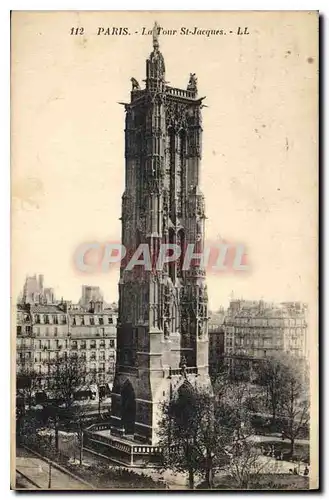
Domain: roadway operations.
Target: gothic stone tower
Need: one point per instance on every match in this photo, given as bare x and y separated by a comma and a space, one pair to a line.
162, 328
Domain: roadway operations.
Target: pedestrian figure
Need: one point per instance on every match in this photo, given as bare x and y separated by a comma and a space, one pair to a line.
295, 471
282, 435
306, 471
281, 456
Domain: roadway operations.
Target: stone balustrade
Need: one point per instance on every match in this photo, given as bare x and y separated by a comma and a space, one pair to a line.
189, 94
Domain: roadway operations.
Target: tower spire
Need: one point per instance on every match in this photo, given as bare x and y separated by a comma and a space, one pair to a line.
155, 66
155, 35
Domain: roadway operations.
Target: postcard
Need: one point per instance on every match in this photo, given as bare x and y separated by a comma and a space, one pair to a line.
164, 241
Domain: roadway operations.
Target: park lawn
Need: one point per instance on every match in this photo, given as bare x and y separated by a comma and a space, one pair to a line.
301, 451
266, 482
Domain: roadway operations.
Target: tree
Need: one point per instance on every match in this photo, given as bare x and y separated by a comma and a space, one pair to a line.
246, 462
233, 415
287, 385
214, 435
67, 375
178, 433
272, 376
198, 429
240, 369
77, 417
295, 404
27, 382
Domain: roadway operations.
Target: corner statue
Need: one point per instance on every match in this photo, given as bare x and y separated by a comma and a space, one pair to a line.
192, 84
135, 84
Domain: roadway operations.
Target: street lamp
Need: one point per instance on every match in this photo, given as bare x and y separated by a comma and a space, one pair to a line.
49, 476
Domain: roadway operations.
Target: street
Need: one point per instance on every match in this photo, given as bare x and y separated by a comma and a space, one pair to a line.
37, 470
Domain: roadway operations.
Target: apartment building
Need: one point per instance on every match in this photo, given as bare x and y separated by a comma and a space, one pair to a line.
256, 329
49, 331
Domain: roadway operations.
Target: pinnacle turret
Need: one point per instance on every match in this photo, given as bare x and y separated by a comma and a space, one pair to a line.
155, 66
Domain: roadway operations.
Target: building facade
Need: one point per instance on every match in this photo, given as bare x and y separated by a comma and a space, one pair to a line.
256, 329
216, 341
46, 332
162, 326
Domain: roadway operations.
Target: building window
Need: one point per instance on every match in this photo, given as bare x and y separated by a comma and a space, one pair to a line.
93, 367
83, 344
74, 344
28, 329
47, 331
55, 331
55, 320
102, 344
63, 320
100, 321
110, 320
19, 330
102, 355
92, 320
93, 344
82, 320
112, 344
93, 356
102, 367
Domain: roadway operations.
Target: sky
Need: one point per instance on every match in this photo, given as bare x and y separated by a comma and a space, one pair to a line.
259, 170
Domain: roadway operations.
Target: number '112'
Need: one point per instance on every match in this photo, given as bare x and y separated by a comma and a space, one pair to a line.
77, 31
